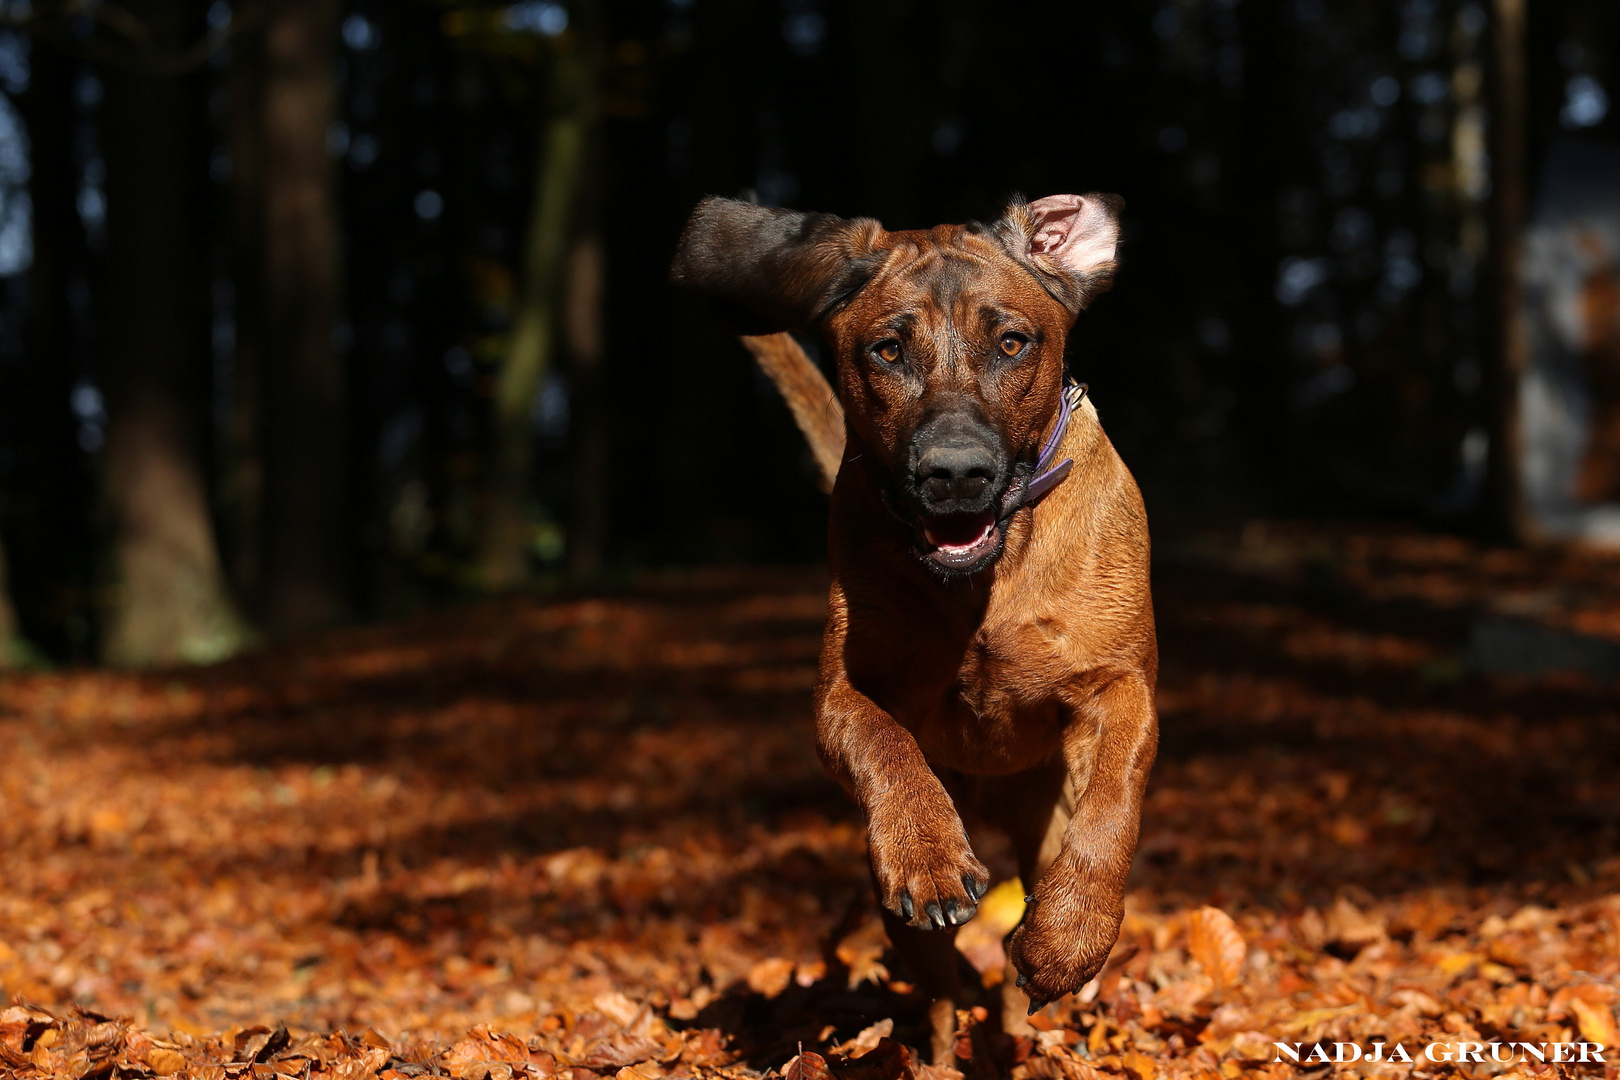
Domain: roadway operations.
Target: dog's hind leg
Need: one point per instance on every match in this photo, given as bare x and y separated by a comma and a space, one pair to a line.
1079, 901
1033, 808
931, 958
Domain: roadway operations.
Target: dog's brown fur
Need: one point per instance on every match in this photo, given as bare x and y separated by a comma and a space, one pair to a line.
1022, 694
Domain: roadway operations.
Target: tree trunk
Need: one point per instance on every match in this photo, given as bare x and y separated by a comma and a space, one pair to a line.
10, 633
1508, 336
307, 572
582, 323
563, 154
169, 602
49, 504
241, 468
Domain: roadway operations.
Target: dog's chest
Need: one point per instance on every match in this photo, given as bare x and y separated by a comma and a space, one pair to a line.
994, 711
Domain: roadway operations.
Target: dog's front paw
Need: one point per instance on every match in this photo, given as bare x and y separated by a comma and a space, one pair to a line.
926, 872
1061, 944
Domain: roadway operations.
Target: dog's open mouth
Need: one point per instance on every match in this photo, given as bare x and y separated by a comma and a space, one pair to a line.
960, 541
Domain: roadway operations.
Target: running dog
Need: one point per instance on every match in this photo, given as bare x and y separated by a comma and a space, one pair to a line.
990, 645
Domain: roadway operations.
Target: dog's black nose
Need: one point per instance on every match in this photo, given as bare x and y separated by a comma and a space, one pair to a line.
956, 472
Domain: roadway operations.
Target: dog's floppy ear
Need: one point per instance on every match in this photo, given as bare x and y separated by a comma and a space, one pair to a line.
1068, 240
772, 269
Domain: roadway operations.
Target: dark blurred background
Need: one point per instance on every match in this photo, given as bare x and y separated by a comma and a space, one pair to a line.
313, 311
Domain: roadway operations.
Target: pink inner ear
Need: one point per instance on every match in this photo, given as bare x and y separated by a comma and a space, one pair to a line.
1080, 234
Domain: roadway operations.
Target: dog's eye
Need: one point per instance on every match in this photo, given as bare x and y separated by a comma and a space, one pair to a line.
887, 350
1012, 344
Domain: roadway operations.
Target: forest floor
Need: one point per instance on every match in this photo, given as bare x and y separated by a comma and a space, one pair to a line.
590, 835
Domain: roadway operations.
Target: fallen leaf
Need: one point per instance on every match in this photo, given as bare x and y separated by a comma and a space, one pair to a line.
806, 1065
620, 1049
484, 1045
366, 1064
1348, 925
1181, 998
1215, 942
257, 1044
1596, 1021
163, 1061
1253, 1047
22, 1014
860, 952
770, 976
981, 939
1452, 964
866, 1041
617, 1007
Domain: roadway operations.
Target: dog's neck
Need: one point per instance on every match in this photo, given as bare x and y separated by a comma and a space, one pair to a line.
1073, 446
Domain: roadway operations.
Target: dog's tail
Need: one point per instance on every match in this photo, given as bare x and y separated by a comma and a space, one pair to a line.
814, 405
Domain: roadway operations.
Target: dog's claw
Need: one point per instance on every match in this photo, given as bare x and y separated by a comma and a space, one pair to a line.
935, 916
1022, 981
1035, 1006
1029, 898
907, 909
975, 889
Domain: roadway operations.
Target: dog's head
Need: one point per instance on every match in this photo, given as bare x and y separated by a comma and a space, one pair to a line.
949, 341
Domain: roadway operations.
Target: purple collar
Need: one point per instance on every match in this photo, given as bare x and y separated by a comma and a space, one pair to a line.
1047, 475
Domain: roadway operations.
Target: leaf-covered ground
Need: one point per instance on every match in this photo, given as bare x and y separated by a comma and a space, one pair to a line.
590, 835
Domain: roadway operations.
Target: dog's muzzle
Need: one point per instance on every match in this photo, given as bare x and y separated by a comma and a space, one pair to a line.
959, 471
966, 491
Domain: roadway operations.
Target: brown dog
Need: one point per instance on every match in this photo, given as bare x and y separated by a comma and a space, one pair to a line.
990, 647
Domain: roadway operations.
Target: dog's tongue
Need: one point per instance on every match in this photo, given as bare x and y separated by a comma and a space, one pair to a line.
958, 532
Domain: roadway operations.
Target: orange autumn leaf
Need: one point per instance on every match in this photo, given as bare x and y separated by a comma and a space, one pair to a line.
866, 1041
1214, 941
770, 976
861, 952
1138, 1066
1596, 1021
165, 1062
806, 1065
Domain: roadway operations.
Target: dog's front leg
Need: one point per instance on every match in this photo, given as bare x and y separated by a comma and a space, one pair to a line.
1073, 921
926, 874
